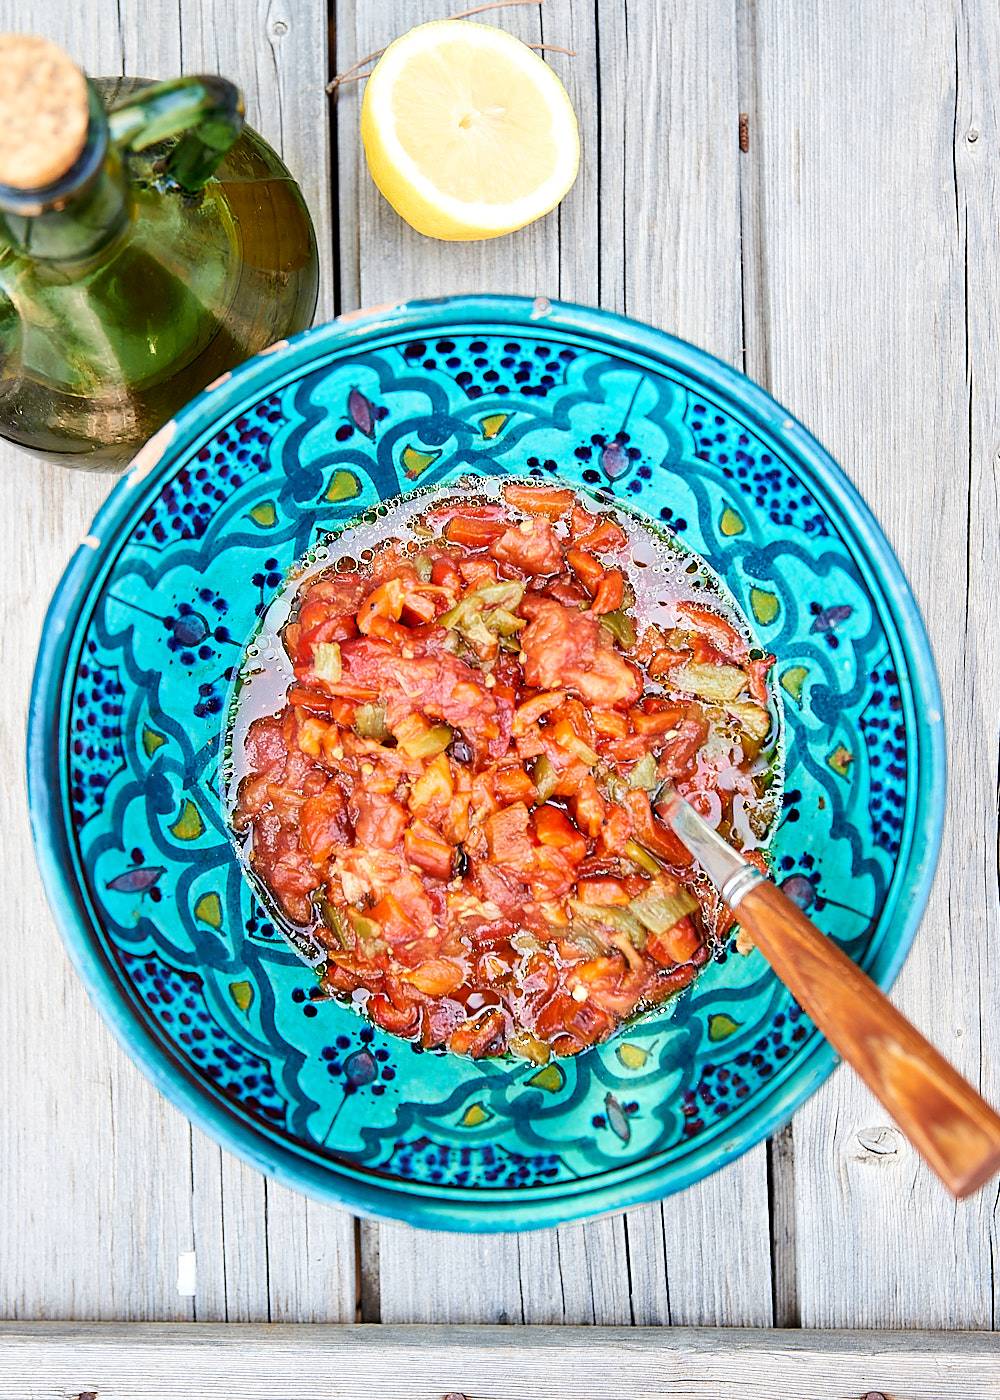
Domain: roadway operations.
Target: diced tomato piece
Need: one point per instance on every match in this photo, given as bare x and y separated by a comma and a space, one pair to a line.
660, 723
610, 592
551, 501
655, 835
587, 1022
582, 521
483, 800
569, 778
602, 889
476, 534
309, 737
478, 573
616, 830
554, 828
554, 874
385, 601
438, 1020
389, 631
536, 551
604, 536
312, 613
532, 710
439, 516
508, 837
322, 823
514, 785
486, 1036
397, 1021
757, 678
343, 711
338, 978
425, 848
670, 983
589, 807
562, 650
436, 977
677, 945
678, 756
420, 607
433, 786
588, 570
719, 632
395, 925
445, 575
378, 820
331, 629
310, 700
610, 722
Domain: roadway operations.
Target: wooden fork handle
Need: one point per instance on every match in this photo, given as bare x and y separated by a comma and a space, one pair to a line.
948, 1122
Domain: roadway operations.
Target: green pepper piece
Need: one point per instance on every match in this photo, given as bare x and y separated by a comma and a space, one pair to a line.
621, 627
614, 917
544, 777
369, 723
643, 775
639, 856
327, 663
660, 908
428, 745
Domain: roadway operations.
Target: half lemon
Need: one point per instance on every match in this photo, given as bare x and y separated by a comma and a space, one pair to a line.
468, 133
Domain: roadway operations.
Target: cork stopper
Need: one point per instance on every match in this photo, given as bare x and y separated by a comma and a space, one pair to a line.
44, 112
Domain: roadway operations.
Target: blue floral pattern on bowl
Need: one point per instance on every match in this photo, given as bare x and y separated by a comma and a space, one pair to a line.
128, 713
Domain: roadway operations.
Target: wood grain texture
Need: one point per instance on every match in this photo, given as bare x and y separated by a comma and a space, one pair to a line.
55, 1362
977, 175
102, 1184
946, 1120
848, 260
865, 186
652, 228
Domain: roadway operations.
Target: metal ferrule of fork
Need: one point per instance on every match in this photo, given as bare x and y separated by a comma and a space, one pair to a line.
733, 876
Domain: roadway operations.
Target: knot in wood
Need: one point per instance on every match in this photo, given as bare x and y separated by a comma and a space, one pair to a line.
880, 1142
874, 1395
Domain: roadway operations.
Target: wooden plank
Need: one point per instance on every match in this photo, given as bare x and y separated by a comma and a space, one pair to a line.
670, 228
80, 1239
58, 1361
976, 134
103, 1186
463, 1278
655, 96
863, 160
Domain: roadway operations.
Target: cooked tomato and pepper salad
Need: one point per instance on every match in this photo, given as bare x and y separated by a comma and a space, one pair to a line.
455, 797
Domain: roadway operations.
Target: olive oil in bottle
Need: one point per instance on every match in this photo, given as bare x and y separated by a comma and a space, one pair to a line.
149, 241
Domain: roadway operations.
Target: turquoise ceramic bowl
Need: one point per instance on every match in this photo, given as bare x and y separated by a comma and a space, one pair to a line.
128, 708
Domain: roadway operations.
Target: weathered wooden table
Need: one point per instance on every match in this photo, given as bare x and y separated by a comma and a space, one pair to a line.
810, 192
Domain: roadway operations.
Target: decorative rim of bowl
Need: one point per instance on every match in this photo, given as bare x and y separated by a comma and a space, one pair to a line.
873, 556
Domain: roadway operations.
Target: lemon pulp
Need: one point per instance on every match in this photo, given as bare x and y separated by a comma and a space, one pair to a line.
468, 133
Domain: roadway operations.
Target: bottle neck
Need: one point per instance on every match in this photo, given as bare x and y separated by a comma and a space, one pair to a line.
74, 218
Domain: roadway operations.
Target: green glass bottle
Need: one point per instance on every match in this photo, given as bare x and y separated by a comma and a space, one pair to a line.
149, 241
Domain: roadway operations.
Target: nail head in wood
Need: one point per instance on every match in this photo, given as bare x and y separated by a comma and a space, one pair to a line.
44, 112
